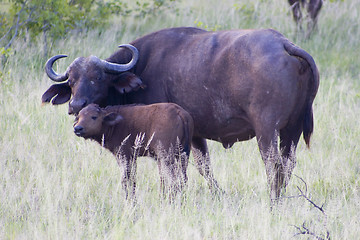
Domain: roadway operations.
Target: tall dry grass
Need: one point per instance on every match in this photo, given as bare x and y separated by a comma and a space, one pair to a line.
54, 185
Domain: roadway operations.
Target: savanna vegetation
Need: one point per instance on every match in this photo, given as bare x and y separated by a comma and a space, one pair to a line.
54, 185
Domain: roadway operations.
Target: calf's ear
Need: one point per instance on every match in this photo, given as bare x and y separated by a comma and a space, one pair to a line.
127, 82
57, 94
112, 119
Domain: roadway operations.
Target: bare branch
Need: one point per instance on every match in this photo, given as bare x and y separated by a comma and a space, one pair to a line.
7, 33
304, 195
16, 26
304, 230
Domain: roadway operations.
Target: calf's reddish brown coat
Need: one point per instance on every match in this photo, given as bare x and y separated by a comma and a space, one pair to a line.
162, 130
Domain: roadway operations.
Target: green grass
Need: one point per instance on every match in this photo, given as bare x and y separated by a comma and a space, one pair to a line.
54, 185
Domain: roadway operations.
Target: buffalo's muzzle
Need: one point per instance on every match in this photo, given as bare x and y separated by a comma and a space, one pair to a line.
78, 130
76, 105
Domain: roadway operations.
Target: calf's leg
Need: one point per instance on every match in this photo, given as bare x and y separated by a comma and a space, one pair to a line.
172, 170
128, 165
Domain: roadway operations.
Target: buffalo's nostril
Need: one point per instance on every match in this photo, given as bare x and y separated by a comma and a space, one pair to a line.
84, 103
76, 105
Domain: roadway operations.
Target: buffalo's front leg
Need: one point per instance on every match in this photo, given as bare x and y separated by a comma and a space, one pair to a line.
202, 161
296, 9
313, 9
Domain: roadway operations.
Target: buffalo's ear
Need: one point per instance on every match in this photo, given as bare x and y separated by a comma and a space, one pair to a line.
112, 119
127, 82
59, 93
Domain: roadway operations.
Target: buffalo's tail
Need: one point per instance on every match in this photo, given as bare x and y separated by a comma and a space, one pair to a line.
188, 132
308, 124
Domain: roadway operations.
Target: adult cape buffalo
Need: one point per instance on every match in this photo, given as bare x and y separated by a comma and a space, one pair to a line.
235, 84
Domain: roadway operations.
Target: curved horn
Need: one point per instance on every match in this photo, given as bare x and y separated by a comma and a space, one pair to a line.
50, 71
118, 68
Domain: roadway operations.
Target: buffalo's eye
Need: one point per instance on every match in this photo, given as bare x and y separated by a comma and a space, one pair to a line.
93, 117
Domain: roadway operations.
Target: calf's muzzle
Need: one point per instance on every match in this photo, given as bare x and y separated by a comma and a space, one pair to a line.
78, 130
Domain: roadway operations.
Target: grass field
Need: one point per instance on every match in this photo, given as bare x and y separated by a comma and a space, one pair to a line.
54, 185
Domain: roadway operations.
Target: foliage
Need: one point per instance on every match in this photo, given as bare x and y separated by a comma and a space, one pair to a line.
5, 52
152, 7
200, 24
56, 18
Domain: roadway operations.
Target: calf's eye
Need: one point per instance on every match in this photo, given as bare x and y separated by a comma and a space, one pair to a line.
93, 117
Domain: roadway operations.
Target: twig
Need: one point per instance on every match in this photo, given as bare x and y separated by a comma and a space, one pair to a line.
304, 230
7, 33
308, 199
16, 26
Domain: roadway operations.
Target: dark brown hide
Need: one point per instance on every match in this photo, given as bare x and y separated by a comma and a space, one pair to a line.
235, 84
167, 131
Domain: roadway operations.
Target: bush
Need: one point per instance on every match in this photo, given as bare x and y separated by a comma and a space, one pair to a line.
55, 18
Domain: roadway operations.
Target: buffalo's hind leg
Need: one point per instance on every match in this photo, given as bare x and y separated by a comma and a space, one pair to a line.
267, 137
289, 138
279, 165
202, 161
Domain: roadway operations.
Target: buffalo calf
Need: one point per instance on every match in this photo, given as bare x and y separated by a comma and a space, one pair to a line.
163, 131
